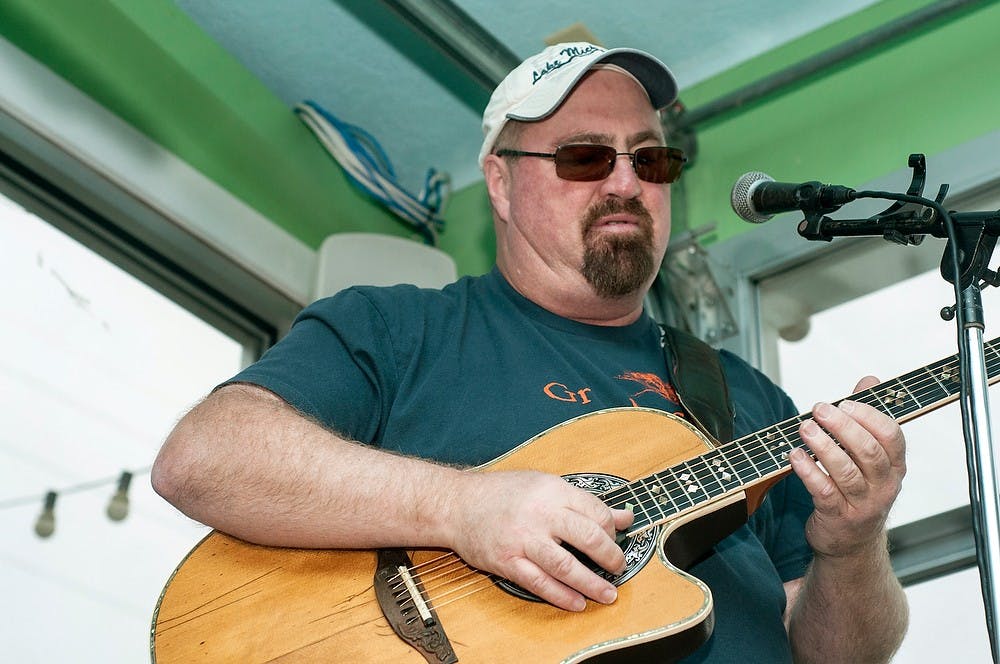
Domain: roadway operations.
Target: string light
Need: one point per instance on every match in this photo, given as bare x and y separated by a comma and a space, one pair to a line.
117, 509
46, 523
118, 506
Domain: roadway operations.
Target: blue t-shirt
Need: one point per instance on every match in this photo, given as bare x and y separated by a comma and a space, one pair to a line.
466, 373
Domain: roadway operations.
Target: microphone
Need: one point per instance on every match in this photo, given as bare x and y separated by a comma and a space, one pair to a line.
756, 197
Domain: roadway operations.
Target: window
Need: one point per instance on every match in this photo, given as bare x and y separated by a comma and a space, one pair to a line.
890, 332
97, 367
130, 289
831, 321
947, 621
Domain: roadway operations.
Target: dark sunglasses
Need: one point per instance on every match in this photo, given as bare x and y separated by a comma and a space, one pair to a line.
583, 162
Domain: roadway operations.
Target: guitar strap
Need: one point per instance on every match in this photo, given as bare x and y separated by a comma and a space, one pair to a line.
696, 373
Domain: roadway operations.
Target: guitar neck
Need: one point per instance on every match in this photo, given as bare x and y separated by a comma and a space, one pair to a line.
763, 455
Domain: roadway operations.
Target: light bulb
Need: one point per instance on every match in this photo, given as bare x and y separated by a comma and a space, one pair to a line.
118, 506
46, 523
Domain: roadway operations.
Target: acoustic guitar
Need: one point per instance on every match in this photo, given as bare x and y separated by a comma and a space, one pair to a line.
231, 601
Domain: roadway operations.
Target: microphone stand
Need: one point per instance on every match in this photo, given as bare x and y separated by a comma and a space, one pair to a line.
972, 238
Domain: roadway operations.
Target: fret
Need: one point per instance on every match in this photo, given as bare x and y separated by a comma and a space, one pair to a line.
791, 443
917, 405
923, 387
658, 489
940, 385
725, 474
992, 366
881, 405
765, 462
866, 397
894, 395
757, 473
675, 490
661, 497
991, 348
778, 445
948, 374
691, 482
653, 491
709, 483
739, 463
634, 500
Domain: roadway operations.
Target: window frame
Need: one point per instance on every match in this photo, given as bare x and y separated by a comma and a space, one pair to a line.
82, 169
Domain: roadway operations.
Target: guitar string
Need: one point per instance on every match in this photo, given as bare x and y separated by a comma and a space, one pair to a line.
444, 572
483, 581
486, 583
918, 390
870, 397
479, 581
478, 584
396, 585
679, 494
431, 592
435, 565
428, 575
915, 388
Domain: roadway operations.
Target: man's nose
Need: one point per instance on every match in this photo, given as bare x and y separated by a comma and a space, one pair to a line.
623, 180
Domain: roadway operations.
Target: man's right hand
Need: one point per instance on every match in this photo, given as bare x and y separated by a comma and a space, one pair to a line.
515, 524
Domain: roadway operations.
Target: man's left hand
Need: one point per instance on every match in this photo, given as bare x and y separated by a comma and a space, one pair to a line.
864, 474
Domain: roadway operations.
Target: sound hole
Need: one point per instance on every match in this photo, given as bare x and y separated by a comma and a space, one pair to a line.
638, 549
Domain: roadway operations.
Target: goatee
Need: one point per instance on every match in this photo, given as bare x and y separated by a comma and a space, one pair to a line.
614, 264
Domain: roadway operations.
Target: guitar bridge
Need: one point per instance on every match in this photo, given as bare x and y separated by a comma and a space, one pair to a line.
406, 609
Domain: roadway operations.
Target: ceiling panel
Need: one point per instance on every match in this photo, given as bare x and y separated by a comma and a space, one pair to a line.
363, 64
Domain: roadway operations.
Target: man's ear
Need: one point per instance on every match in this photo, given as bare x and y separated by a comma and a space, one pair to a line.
496, 173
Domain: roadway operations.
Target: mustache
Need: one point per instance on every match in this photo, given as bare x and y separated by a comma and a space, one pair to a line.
630, 206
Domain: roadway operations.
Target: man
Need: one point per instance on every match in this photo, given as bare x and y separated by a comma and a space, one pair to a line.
578, 178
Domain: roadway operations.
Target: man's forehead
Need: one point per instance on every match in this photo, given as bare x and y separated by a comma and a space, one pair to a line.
613, 73
606, 138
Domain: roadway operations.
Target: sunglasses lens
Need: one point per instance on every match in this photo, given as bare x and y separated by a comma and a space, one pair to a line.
659, 164
587, 163
584, 163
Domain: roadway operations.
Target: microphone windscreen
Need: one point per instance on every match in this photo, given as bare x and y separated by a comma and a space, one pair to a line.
741, 197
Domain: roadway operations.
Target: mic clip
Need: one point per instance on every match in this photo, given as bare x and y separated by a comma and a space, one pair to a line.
901, 223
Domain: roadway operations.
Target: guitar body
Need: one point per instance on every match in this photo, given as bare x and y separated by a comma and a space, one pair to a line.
238, 602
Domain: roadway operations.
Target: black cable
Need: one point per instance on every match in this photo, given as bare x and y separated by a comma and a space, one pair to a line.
949, 227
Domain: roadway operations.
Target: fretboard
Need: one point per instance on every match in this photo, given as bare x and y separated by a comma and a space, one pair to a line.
751, 459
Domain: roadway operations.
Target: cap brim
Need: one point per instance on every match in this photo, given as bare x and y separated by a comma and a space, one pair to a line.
654, 76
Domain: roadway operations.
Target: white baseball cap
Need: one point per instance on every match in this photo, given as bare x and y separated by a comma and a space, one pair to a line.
536, 87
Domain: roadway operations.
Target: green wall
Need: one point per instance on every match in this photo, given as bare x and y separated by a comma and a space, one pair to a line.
152, 66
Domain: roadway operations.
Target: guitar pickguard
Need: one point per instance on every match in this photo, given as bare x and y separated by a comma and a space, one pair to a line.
638, 549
